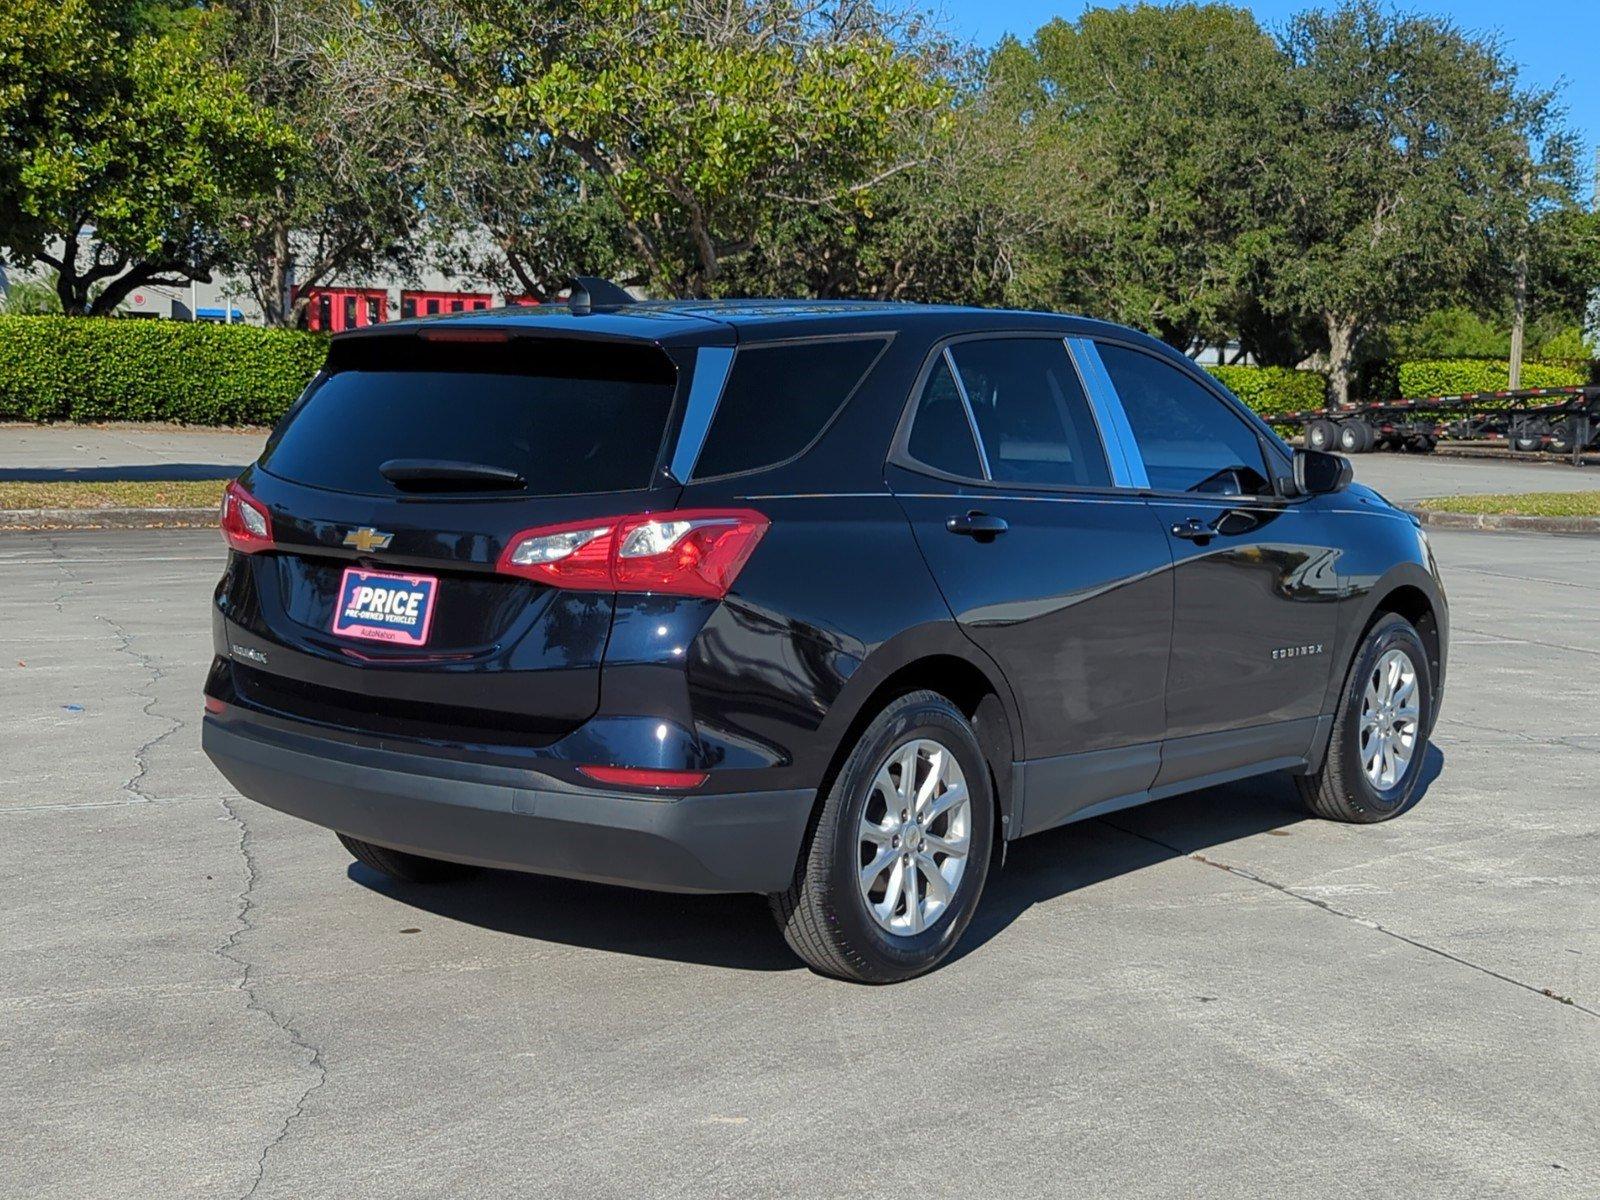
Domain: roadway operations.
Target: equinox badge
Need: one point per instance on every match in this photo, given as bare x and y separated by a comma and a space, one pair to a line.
366, 539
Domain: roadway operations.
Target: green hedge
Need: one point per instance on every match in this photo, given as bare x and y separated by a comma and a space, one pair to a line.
1273, 390
98, 369
1453, 376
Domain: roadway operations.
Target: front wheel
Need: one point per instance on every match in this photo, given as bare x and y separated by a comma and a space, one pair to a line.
893, 870
1380, 733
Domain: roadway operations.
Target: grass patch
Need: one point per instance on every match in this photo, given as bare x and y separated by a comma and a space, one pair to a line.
1529, 504
82, 494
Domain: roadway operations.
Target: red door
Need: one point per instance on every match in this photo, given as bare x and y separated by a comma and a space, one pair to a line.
333, 310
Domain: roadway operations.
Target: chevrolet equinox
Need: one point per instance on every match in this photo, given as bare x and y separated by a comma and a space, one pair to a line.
826, 601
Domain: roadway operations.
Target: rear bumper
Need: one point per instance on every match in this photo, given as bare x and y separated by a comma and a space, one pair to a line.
520, 820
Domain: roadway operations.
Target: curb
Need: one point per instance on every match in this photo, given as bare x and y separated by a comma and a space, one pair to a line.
1589, 526
107, 518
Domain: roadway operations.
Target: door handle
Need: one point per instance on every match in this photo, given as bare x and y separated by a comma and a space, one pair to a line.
979, 525
1194, 530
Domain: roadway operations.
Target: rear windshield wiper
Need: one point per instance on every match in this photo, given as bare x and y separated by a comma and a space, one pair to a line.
445, 475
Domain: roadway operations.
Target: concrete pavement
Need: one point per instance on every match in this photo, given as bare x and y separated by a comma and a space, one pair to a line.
1210, 997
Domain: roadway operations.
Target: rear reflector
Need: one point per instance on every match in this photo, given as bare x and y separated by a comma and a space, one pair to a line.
213, 705
686, 552
246, 525
644, 777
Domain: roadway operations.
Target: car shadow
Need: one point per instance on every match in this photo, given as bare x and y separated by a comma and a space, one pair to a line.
738, 931
1052, 864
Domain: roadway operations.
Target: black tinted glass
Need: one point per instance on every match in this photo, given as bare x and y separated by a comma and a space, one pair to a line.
778, 399
1189, 439
1035, 422
941, 435
567, 419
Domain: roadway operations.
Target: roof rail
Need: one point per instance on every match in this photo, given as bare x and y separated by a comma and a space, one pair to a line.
591, 291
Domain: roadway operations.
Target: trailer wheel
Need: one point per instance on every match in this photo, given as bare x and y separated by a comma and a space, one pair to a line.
1560, 437
1321, 434
1423, 443
1527, 437
1355, 436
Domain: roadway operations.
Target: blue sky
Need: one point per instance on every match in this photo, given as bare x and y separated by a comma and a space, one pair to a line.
1554, 40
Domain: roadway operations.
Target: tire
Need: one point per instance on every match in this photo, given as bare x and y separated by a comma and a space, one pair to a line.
1529, 438
1355, 437
825, 915
398, 864
1423, 443
1321, 434
1342, 789
1560, 438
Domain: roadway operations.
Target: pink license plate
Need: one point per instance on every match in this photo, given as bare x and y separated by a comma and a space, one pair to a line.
384, 606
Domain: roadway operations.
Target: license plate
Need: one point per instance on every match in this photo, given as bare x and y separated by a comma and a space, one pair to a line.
383, 606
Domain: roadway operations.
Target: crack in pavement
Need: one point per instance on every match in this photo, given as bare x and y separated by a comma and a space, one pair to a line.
134, 784
230, 951
1523, 641
1564, 741
1365, 922
1520, 578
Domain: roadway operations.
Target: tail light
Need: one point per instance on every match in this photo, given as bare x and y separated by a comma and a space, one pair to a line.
687, 552
245, 522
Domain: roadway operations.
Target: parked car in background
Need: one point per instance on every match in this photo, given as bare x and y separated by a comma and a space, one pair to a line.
823, 601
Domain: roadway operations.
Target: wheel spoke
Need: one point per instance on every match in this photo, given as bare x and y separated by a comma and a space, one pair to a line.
933, 844
952, 796
879, 864
913, 899
908, 776
878, 835
884, 909
935, 773
938, 886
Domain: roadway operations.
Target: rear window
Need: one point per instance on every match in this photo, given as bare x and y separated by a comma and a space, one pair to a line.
779, 398
569, 418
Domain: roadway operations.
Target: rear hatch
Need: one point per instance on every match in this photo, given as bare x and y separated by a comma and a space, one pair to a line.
406, 469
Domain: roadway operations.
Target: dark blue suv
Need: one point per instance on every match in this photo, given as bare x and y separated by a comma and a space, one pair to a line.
825, 601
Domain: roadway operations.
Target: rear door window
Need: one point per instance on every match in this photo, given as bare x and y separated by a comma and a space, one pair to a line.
570, 418
941, 434
778, 400
1189, 439
1034, 420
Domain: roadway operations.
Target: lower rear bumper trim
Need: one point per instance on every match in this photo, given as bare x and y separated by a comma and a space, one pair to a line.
497, 817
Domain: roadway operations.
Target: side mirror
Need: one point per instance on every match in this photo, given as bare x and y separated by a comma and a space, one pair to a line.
1316, 473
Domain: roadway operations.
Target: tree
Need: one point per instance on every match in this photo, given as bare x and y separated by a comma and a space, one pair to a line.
1400, 173
352, 199
701, 120
976, 220
530, 215
1170, 113
122, 145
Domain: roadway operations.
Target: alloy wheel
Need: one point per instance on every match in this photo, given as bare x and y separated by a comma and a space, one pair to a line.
915, 837
1389, 719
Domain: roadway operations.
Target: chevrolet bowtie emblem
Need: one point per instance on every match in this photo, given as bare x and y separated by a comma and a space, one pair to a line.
366, 539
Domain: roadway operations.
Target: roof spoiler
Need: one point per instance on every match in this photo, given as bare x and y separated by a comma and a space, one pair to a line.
590, 292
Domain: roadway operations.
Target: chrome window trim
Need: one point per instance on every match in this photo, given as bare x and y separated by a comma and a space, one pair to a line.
1122, 451
712, 366
972, 417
